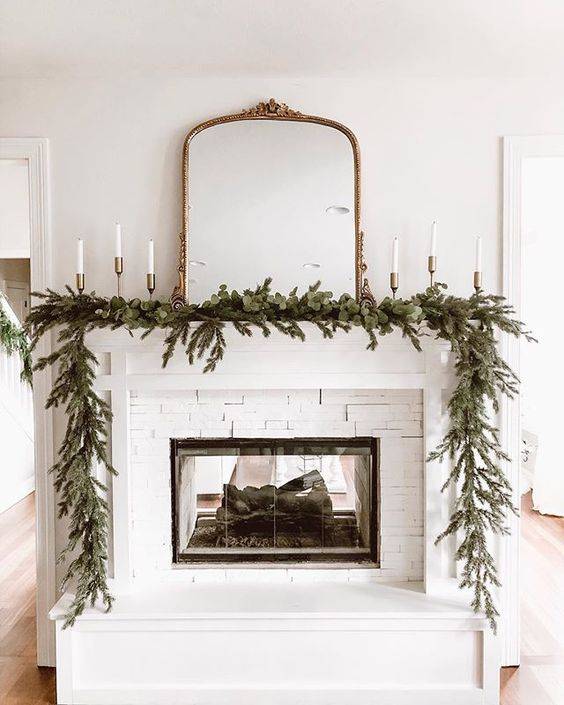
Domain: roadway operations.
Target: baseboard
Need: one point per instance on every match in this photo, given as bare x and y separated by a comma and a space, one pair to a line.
279, 696
17, 494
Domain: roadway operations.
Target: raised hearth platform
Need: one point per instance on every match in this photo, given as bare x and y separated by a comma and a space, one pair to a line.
300, 643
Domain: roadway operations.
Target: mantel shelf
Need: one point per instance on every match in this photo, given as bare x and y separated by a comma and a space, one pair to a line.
276, 362
108, 340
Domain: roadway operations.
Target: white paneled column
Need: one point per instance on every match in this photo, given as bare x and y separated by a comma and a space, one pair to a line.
121, 486
436, 511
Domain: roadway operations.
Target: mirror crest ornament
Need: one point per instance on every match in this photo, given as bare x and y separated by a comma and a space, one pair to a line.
269, 110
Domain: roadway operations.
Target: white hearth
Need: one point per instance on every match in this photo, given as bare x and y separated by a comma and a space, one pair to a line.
396, 632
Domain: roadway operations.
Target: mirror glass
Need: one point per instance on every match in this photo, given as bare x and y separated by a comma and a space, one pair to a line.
270, 198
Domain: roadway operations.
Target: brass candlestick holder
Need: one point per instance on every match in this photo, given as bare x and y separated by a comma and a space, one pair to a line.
432, 268
80, 282
150, 284
118, 268
394, 283
477, 281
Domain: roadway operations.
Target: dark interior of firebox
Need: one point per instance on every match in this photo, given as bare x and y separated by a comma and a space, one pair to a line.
286, 500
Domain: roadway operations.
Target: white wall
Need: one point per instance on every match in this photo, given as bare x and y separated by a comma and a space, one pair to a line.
542, 227
14, 208
16, 427
18, 478
430, 149
16, 439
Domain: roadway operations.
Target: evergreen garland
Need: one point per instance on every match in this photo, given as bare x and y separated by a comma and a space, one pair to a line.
472, 442
14, 340
469, 325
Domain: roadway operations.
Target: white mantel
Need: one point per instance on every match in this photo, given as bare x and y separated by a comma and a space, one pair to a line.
276, 362
360, 617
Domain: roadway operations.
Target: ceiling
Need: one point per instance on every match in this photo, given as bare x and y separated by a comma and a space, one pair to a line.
46, 38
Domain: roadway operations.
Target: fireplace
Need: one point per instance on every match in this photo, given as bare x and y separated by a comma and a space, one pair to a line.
297, 500
401, 602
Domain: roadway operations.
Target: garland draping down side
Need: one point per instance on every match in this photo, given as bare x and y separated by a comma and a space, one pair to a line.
470, 326
14, 340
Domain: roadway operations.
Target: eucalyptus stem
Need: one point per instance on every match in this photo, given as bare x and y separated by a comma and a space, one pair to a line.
472, 442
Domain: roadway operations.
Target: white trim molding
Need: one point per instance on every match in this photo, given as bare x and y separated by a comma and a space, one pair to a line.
515, 151
36, 151
15, 254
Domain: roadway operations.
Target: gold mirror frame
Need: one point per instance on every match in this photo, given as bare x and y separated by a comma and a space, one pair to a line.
269, 110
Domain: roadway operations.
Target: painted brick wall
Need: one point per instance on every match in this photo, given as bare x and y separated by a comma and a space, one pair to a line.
396, 416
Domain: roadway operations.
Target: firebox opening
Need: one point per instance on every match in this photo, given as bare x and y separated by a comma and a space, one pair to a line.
275, 500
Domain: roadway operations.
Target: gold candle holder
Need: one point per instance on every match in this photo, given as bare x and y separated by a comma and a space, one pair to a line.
118, 268
150, 284
432, 268
80, 282
394, 283
477, 281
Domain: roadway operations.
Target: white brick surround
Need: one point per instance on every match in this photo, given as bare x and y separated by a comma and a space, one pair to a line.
393, 415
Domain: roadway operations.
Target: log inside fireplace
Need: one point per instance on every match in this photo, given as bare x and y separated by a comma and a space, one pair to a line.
288, 500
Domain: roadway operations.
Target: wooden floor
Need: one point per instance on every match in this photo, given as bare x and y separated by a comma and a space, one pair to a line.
21, 682
539, 680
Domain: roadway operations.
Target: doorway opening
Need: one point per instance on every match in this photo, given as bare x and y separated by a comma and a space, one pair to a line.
534, 557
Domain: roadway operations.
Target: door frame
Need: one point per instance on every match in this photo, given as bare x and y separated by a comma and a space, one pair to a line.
515, 151
36, 151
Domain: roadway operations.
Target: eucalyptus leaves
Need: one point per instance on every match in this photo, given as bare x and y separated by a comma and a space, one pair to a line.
469, 325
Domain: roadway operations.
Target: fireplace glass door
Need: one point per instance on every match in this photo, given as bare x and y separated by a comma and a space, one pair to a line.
291, 500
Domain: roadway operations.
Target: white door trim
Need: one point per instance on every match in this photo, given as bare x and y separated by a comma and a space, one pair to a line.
515, 150
36, 151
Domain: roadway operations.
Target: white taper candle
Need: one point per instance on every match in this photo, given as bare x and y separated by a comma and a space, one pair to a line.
150, 257
118, 240
478, 261
433, 252
79, 256
395, 255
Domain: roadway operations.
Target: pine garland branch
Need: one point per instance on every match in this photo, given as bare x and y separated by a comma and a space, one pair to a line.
14, 340
84, 444
484, 496
470, 326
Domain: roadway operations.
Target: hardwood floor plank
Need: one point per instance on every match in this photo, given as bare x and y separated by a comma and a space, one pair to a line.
21, 682
540, 678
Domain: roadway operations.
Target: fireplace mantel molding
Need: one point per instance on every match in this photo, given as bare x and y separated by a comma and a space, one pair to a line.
276, 362
434, 649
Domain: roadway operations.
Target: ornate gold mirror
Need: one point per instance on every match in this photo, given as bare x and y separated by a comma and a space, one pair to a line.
270, 192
